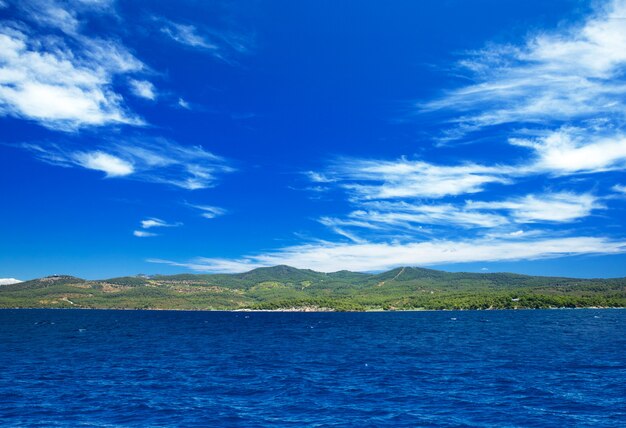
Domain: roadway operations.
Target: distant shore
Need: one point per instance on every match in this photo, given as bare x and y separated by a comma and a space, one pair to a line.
308, 310
287, 289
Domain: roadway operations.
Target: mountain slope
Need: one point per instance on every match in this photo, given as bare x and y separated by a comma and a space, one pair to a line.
287, 287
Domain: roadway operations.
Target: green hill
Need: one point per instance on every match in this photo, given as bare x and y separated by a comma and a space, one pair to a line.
288, 288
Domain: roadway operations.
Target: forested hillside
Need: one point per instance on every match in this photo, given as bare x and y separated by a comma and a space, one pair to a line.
288, 288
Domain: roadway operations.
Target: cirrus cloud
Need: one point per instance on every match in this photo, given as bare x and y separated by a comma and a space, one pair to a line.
379, 179
113, 166
551, 207
553, 77
155, 160
65, 82
331, 257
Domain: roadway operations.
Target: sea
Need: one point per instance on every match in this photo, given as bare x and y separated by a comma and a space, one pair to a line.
107, 368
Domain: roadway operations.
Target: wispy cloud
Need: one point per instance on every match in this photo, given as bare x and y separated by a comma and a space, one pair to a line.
52, 13
551, 207
554, 77
402, 178
557, 100
330, 257
562, 152
385, 214
151, 223
186, 34
61, 82
402, 217
571, 150
221, 44
143, 89
113, 166
341, 226
317, 177
184, 104
64, 15
201, 264
208, 211
152, 160
561, 95
143, 234
156, 222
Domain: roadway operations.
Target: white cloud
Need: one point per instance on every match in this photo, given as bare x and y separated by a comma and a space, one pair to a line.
571, 74
64, 15
377, 179
156, 222
317, 177
187, 34
330, 257
9, 281
143, 234
150, 223
575, 150
619, 188
221, 44
100, 161
143, 89
403, 213
100, 4
50, 13
562, 97
551, 207
62, 83
403, 217
564, 92
152, 160
209, 211
69, 16
217, 265
565, 88
184, 104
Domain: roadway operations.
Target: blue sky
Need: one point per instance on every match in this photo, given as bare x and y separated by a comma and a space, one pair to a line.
153, 137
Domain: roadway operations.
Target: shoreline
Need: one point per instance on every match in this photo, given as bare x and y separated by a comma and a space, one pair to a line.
316, 311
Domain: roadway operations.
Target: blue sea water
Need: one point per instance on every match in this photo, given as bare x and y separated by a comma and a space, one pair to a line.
166, 368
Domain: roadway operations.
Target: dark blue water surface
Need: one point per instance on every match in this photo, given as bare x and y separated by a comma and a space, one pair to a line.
162, 368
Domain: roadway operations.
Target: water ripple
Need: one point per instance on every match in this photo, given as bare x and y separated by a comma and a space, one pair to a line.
137, 368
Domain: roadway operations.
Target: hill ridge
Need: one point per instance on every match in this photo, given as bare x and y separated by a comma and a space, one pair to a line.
285, 287
286, 269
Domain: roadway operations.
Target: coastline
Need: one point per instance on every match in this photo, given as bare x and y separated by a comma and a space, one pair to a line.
295, 310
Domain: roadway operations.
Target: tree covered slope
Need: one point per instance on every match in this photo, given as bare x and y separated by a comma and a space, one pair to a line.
285, 287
